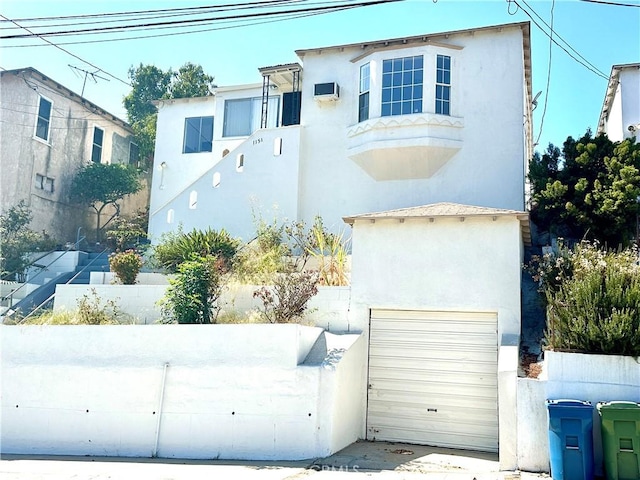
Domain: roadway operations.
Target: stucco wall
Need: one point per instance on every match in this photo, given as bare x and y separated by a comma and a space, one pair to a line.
230, 391
23, 156
328, 309
595, 378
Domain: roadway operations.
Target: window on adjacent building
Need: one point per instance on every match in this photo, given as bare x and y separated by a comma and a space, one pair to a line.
43, 182
134, 154
198, 134
363, 99
443, 84
96, 149
402, 82
44, 119
242, 116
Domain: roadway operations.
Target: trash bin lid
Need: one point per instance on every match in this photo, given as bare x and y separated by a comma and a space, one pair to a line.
569, 403
617, 405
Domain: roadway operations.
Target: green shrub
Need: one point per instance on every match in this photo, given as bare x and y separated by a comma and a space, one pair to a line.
193, 294
177, 247
126, 266
288, 299
129, 232
593, 304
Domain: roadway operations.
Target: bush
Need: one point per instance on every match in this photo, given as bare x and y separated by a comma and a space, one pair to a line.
126, 266
287, 300
177, 247
129, 232
91, 311
193, 293
593, 304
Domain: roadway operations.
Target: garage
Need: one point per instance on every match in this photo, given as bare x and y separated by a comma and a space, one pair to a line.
433, 378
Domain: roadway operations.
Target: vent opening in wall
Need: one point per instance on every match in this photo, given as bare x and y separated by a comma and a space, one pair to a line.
326, 91
193, 200
216, 180
240, 163
277, 146
225, 152
170, 215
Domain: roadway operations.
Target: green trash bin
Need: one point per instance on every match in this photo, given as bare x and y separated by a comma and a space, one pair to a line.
620, 439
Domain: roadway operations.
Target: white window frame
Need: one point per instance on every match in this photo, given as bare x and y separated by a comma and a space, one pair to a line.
446, 86
255, 114
184, 137
35, 128
364, 91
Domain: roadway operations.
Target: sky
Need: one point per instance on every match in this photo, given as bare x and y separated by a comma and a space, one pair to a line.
571, 95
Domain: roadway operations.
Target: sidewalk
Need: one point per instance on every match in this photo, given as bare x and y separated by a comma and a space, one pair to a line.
361, 460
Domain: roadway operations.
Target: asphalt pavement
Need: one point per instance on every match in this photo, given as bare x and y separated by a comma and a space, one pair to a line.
361, 460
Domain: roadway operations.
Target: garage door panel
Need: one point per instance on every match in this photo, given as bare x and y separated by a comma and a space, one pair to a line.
433, 378
423, 367
443, 438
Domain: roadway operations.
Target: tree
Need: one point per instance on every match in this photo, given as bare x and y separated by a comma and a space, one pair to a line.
151, 83
589, 190
99, 185
18, 240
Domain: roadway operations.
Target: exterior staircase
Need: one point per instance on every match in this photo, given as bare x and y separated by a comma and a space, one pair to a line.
93, 262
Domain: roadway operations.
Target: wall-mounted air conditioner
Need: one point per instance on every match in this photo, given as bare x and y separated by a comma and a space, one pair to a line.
326, 91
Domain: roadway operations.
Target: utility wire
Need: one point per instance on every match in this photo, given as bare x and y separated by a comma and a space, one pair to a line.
557, 35
617, 4
66, 51
581, 62
155, 12
546, 95
228, 27
118, 29
151, 14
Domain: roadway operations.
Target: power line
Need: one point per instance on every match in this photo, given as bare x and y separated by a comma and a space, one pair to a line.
203, 30
585, 64
617, 4
164, 13
557, 35
152, 25
66, 51
546, 95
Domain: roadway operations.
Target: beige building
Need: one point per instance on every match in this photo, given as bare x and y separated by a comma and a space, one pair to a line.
47, 132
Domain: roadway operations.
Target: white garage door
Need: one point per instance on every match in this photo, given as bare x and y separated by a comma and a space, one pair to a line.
433, 378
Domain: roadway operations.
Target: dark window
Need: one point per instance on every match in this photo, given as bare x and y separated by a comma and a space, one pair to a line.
96, 150
443, 84
134, 154
402, 86
44, 119
198, 134
363, 99
291, 103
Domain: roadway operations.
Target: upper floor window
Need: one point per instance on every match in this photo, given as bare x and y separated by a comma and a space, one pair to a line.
402, 82
242, 116
363, 99
44, 119
198, 134
443, 84
96, 150
134, 154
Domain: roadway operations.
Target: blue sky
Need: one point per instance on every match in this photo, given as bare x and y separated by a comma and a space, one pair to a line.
603, 34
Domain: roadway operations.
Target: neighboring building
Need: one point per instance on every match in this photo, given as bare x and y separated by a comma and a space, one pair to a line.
363, 127
620, 116
47, 133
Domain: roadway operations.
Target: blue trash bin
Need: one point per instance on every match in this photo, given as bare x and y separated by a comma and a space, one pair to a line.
570, 439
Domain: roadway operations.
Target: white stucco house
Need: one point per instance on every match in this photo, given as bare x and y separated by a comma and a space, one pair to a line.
365, 127
48, 132
620, 116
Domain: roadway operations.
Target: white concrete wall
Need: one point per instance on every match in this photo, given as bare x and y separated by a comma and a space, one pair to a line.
231, 391
447, 264
140, 302
595, 378
630, 93
143, 278
328, 309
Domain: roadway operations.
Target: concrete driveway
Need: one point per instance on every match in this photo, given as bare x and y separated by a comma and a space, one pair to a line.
361, 460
